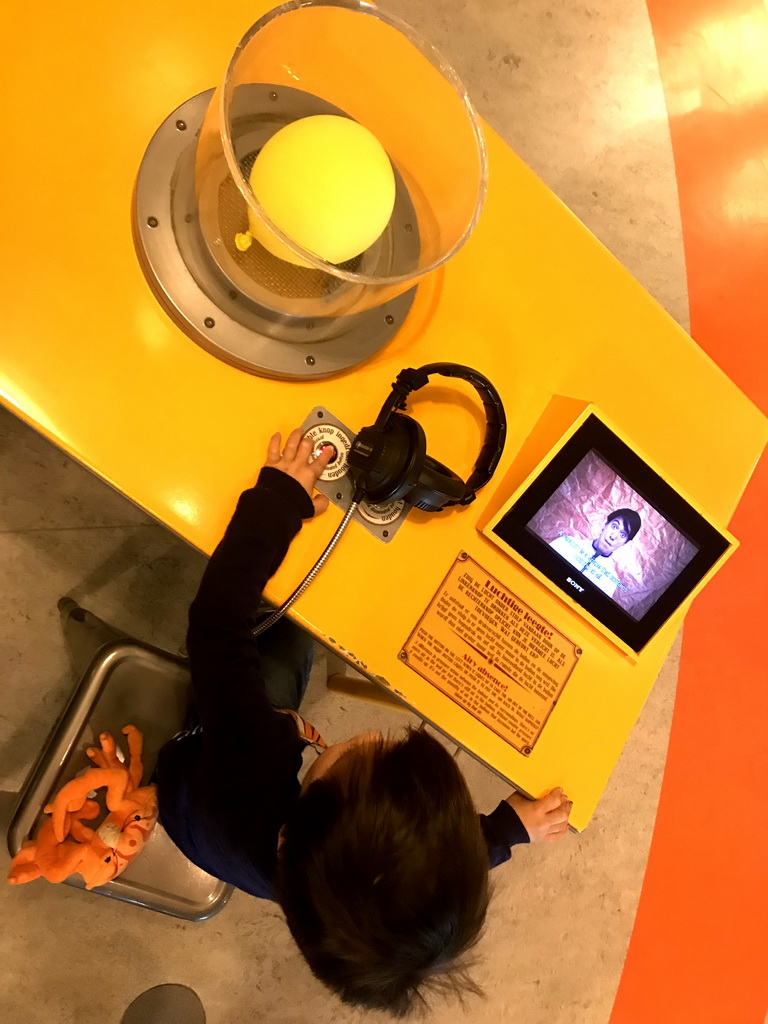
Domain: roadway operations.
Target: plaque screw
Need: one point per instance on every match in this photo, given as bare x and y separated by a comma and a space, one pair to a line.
385, 533
403, 656
526, 750
463, 556
579, 651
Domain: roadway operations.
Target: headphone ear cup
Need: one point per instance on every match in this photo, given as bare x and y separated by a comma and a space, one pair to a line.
436, 487
388, 461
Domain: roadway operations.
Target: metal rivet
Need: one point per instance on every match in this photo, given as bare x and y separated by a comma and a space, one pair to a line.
385, 533
309, 326
209, 321
310, 360
181, 125
273, 96
407, 227
389, 319
320, 415
152, 221
338, 495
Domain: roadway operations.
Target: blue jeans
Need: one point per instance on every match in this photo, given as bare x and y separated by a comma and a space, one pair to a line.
286, 654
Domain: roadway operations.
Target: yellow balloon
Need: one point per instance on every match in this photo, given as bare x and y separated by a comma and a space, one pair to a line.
327, 182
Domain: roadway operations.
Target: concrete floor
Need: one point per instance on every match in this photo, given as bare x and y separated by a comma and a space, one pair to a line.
574, 89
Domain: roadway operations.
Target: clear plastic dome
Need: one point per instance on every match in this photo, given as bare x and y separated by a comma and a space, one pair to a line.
342, 57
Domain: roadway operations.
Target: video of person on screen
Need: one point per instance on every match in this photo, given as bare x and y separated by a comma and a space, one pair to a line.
612, 536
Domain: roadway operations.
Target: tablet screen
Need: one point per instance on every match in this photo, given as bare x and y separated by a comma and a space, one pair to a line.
608, 531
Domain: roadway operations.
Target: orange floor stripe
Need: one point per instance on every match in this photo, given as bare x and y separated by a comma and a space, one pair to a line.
698, 949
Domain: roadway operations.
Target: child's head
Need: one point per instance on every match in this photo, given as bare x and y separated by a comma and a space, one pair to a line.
383, 872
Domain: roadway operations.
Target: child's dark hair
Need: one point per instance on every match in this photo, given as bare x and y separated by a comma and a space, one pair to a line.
383, 874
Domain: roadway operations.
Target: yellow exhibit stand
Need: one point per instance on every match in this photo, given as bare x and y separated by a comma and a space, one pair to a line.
533, 301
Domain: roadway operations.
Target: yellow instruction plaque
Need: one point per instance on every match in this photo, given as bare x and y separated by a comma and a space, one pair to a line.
491, 653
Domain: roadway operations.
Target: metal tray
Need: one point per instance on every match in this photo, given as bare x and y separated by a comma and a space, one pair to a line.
127, 682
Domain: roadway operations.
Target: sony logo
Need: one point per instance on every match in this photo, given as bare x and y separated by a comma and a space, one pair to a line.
576, 585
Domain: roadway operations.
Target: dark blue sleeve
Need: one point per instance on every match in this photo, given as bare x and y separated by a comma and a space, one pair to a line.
502, 830
224, 792
238, 721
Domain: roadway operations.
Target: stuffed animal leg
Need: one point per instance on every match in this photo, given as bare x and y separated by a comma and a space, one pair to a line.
46, 857
65, 845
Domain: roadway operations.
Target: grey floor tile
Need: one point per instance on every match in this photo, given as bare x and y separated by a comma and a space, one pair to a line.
52, 490
574, 89
140, 578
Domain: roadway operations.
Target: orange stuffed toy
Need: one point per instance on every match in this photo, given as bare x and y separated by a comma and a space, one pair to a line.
65, 845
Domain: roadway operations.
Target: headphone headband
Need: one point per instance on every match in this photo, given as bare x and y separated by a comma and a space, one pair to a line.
453, 490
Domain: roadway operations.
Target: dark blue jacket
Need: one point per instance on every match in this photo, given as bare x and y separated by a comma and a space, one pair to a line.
225, 790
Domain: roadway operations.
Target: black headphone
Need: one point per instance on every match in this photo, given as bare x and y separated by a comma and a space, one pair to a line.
389, 460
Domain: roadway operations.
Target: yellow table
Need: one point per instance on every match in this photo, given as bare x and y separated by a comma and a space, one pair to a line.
533, 301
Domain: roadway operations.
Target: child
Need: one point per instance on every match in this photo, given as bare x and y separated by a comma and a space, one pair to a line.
379, 859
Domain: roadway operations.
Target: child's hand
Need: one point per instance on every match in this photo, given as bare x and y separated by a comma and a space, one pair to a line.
294, 460
546, 819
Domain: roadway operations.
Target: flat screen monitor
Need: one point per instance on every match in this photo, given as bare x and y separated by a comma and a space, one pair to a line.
602, 527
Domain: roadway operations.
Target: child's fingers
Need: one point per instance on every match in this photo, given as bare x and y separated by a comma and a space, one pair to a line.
304, 451
321, 503
319, 463
552, 800
556, 832
273, 450
291, 445
561, 811
296, 460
